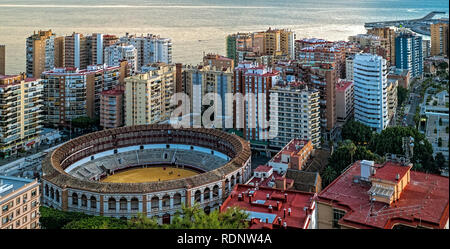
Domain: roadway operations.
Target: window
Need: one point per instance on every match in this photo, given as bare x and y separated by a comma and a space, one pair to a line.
33, 215
33, 193
18, 223
18, 200
33, 204
5, 208
337, 215
93, 202
24, 219
18, 212
33, 225
25, 207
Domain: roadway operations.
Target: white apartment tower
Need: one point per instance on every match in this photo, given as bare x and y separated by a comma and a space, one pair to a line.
118, 52
370, 91
296, 109
150, 49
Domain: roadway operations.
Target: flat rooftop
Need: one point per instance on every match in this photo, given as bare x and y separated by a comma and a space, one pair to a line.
259, 206
9, 184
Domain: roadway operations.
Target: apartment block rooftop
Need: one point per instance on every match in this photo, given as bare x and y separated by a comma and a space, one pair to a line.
388, 194
10, 184
272, 208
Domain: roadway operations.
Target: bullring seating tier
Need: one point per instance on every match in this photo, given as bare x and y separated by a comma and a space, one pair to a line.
97, 168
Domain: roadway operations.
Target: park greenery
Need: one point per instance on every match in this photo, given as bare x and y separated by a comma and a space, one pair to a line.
189, 218
361, 143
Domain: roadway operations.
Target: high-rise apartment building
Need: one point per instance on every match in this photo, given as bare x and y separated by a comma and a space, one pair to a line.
112, 108
272, 43
344, 100
76, 51
409, 53
218, 61
19, 202
70, 93
426, 46
150, 48
370, 91
201, 80
119, 52
147, 95
40, 53
321, 76
388, 34
253, 114
439, 39
295, 108
372, 44
391, 90
349, 68
20, 113
2, 60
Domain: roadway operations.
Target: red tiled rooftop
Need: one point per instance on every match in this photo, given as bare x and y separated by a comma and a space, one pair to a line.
290, 148
424, 201
341, 86
263, 168
390, 170
296, 200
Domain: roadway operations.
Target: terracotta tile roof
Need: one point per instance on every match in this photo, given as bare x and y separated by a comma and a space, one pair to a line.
263, 168
258, 205
423, 202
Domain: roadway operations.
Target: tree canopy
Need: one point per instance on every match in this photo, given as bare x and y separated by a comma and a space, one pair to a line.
189, 218
402, 95
357, 132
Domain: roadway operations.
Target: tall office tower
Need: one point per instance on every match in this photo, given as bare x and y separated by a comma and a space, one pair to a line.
147, 95
40, 53
218, 61
76, 51
201, 80
20, 113
150, 48
253, 118
439, 39
70, 93
2, 60
116, 53
388, 34
370, 91
409, 53
295, 107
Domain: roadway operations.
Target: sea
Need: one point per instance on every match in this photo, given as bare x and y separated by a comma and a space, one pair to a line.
197, 26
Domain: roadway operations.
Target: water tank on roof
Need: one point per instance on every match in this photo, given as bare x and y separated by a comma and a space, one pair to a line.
366, 167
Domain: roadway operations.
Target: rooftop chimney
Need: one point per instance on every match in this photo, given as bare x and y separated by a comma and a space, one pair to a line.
284, 213
270, 209
289, 211
397, 177
285, 197
285, 224
267, 196
239, 197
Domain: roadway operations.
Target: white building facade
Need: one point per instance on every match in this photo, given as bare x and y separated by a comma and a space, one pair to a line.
370, 91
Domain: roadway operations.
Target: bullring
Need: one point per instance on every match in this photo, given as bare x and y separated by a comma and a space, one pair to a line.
73, 173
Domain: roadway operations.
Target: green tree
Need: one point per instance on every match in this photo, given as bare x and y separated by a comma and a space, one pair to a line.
440, 161
357, 132
328, 175
97, 222
402, 94
143, 222
55, 219
195, 218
